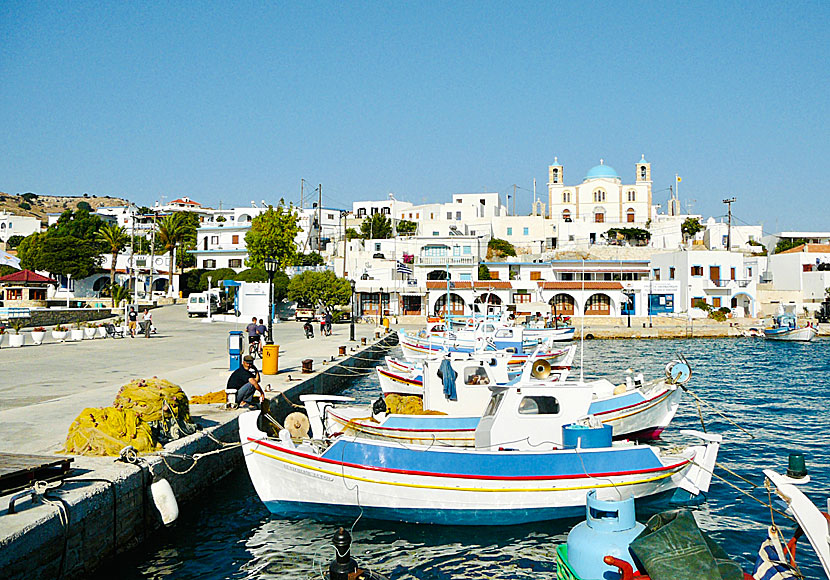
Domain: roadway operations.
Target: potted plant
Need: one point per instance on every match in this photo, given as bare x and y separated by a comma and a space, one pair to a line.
77, 333
38, 334
16, 339
119, 323
59, 333
101, 330
89, 331
2, 334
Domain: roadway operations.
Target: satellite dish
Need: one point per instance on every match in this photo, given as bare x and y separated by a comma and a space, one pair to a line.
678, 372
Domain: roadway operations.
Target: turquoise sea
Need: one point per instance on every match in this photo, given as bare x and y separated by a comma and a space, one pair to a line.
777, 392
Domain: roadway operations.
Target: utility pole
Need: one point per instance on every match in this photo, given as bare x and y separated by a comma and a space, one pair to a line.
319, 216
302, 193
729, 203
514, 198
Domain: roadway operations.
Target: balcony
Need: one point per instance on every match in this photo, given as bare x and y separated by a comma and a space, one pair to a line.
445, 261
726, 283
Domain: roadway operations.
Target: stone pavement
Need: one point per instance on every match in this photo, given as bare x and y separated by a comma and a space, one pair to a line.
43, 388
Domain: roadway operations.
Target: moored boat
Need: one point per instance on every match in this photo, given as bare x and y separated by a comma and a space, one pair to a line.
785, 328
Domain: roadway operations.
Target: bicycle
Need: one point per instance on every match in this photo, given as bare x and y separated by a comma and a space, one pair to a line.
255, 348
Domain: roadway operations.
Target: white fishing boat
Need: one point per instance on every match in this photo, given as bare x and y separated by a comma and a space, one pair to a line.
457, 390
785, 327
403, 378
515, 474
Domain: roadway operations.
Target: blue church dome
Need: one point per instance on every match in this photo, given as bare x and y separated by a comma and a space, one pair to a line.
601, 170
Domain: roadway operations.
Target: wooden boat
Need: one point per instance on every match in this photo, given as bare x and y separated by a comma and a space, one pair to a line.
785, 328
635, 409
500, 482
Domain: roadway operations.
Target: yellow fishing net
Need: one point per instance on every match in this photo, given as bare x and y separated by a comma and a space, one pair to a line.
145, 414
407, 405
217, 397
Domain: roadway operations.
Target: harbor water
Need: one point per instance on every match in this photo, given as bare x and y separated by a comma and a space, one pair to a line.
777, 392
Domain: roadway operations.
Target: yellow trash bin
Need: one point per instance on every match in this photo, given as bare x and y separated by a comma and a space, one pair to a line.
270, 359
386, 322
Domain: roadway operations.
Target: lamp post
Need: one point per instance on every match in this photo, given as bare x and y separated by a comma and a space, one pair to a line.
209, 301
271, 268
351, 318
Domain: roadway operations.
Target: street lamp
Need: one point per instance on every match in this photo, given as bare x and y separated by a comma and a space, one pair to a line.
351, 318
209, 301
271, 268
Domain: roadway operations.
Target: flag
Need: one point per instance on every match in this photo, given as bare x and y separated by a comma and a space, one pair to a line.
678, 178
404, 269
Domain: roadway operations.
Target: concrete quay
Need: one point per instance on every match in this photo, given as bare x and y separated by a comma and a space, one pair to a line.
105, 506
665, 327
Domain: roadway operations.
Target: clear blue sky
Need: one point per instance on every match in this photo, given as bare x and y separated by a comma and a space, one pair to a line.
239, 101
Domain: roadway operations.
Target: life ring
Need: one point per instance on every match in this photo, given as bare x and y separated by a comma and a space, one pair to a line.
470, 323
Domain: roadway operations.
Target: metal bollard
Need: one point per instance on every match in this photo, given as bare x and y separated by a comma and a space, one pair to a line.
341, 351
307, 366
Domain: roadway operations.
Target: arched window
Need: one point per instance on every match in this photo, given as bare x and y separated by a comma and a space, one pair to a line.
629, 215
566, 197
642, 172
566, 215
598, 305
456, 305
632, 195
556, 176
205, 243
599, 196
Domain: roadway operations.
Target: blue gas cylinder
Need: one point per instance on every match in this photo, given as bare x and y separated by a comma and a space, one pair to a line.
586, 436
608, 529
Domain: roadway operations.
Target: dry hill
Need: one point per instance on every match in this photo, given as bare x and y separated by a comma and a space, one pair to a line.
36, 205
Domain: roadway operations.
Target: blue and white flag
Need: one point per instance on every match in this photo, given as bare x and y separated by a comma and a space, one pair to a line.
404, 269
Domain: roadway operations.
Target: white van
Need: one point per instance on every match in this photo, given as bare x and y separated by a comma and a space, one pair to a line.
197, 304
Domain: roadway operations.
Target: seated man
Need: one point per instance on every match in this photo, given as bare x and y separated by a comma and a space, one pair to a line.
245, 380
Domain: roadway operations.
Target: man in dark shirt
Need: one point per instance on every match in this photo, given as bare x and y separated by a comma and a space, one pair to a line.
132, 321
251, 329
262, 330
245, 381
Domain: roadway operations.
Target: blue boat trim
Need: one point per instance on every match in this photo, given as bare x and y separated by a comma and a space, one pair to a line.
616, 403
430, 422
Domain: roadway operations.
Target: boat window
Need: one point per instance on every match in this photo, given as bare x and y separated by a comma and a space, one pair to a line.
493, 405
489, 329
539, 405
504, 333
475, 376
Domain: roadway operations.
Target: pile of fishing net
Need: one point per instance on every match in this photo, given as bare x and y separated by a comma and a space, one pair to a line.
145, 414
217, 397
407, 405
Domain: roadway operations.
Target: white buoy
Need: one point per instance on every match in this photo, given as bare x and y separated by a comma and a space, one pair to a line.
165, 501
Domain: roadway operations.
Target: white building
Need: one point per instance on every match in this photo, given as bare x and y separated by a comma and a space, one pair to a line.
717, 234
718, 278
17, 225
804, 271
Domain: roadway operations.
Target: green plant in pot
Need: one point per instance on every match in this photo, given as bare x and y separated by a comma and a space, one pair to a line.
17, 324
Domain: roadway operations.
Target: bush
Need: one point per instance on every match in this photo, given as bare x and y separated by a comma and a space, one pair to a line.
720, 314
216, 277
500, 247
24, 205
14, 241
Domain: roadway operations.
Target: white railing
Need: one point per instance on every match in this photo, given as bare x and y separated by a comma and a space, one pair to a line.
445, 260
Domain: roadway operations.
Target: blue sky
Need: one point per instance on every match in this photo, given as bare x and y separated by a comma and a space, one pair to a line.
240, 101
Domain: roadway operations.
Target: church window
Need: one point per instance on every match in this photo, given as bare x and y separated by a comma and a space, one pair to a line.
566, 197
599, 196
556, 176
632, 195
642, 172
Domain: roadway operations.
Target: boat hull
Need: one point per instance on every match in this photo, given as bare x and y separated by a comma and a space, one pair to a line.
802, 334
446, 486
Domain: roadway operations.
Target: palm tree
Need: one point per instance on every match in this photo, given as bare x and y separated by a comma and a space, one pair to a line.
115, 237
119, 294
174, 230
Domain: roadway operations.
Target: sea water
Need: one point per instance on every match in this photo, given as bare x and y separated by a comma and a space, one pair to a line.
777, 392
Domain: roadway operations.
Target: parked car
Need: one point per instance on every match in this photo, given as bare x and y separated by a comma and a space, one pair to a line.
303, 313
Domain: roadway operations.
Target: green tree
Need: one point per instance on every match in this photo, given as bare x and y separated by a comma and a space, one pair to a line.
69, 247
483, 272
216, 276
310, 259
14, 241
500, 248
272, 235
30, 197
173, 231
321, 289
252, 275
118, 293
376, 227
84, 205
115, 237
690, 227
24, 205
352, 234
406, 228
638, 235
784, 245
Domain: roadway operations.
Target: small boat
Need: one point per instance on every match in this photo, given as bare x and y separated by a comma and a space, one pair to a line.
601, 547
521, 479
785, 327
402, 378
635, 409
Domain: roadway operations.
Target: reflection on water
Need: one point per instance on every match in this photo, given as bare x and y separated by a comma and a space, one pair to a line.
777, 392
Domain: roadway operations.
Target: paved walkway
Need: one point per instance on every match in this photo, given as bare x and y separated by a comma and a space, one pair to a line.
45, 387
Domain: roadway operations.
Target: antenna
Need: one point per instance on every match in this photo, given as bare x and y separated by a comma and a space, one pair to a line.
582, 330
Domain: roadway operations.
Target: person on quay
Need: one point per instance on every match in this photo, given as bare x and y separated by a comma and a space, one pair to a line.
253, 334
328, 319
262, 331
148, 322
245, 380
132, 321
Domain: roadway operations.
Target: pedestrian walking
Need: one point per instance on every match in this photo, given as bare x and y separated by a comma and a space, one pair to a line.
132, 321
148, 322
